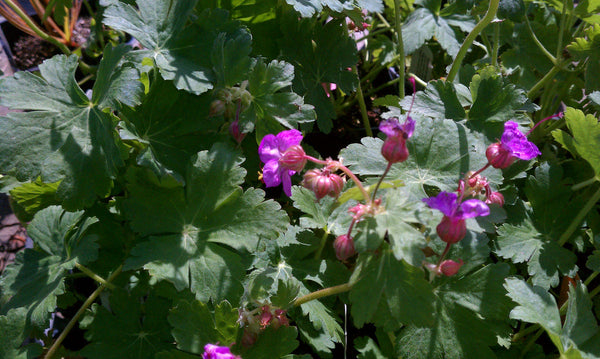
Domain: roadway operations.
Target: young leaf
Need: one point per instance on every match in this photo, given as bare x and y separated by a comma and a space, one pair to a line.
37, 277
584, 139
29, 198
64, 136
469, 315
196, 233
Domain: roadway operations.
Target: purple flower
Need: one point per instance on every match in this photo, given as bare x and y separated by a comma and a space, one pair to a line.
212, 351
392, 128
513, 144
453, 228
271, 149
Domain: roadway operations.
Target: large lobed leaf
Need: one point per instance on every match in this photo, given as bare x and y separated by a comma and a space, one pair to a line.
307, 8
64, 136
196, 235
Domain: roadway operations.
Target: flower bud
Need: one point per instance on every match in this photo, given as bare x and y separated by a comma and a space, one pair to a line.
451, 230
498, 156
323, 183
234, 131
265, 317
450, 267
495, 197
217, 108
280, 319
344, 247
394, 149
294, 158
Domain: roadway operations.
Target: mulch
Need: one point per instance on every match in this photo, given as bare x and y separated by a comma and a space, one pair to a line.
12, 234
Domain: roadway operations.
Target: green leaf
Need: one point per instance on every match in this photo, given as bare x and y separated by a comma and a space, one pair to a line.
587, 49
197, 234
469, 317
441, 152
425, 23
593, 261
37, 277
273, 343
439, 100
317, 212
29, 198
12, 326
307, 8
402, 286
230, 58
320, 54
63, 136
578, 336
273, 107
133, 327
165, 131
194, 325
494, 98
584, 139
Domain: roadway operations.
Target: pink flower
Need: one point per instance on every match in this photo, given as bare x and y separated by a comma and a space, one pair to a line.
513, 144
394, 147
212, 351
272, 148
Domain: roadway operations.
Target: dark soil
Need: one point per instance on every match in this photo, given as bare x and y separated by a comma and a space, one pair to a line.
29, 52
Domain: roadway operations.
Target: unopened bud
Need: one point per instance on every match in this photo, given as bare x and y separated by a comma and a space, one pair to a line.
294, 158
265, 316
450, 267
344, 247
495, 197
394, 149
323, 183
217, 108
234, 130
498, 156
451, 230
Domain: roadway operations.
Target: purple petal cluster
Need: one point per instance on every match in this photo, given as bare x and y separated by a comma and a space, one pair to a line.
516, 142
447, 203
271, 149
212, 351
393, 128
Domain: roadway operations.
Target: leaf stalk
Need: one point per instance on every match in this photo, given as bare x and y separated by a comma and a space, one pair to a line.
325, 292
582, 213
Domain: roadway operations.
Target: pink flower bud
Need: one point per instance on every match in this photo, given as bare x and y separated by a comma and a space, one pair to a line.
394, 149
323, 183
265, 317
451, 230
495, 197
450, 267
294, 158
344, 247
498, 156
234, 131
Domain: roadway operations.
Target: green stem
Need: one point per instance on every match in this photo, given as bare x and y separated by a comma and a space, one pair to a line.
496, 44
539, 43
417, 79
94, 276
543, 81
325, 292
383, 20
585, 183
322, 244
532, 341
582, 213
39, 32
561, 30
363, 106
594, 292
590, 278
81, 310
378, 88
462, 52
524, 332
400, 45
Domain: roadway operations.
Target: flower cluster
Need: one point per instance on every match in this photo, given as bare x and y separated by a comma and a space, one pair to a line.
257, 320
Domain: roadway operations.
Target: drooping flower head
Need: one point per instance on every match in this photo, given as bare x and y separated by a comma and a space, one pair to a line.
212, 351
394, 147
453, 228
278, 168
513, 144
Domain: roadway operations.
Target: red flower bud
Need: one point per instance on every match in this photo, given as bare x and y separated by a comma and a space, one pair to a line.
344, 247
294, 158
498, 156
265, 316
394, 149
495, 197
451, 230
323, 183
450, 267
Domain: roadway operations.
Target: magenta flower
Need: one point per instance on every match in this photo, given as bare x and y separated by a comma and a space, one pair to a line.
270, 151
453, 228
212, 351
394, 147
513, 144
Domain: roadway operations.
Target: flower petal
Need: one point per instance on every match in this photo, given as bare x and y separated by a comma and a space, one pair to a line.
445, 202
287, 139
408, 127
391, 127
269, 149
272, 174
517, 142
472, 208
287, 182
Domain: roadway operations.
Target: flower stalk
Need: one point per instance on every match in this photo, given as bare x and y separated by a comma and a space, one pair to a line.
325, 292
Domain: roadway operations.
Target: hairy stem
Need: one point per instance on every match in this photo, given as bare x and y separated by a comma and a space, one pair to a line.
462, 52
362, 105
83, 308
325, 292
582, 213
496, 44
322, 243
585, 183
387, 169
549, 76
94, 276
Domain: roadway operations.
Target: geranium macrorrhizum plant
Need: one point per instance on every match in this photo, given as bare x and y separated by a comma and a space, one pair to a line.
450, 232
